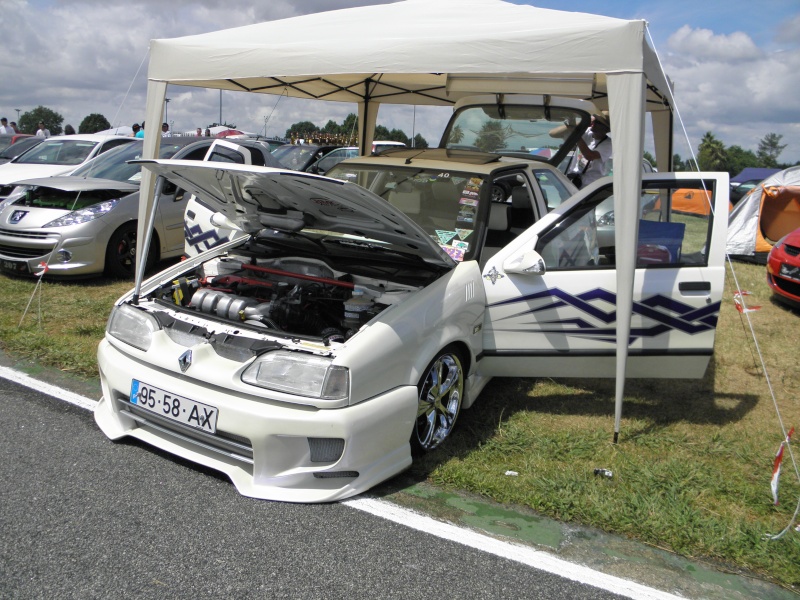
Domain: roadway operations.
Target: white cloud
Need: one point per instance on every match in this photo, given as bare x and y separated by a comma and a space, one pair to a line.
703, 44
726, 85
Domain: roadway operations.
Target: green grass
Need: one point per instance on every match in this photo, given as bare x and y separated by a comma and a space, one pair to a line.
691, 469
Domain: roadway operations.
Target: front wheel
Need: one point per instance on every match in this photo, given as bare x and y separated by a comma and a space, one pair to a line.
121, 253
441, 393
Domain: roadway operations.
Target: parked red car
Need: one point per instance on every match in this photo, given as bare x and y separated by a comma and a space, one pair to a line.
783, 269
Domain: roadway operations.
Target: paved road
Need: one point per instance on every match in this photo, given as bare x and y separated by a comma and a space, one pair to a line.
83, 517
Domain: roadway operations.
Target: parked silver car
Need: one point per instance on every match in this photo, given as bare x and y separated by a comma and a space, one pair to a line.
85, 224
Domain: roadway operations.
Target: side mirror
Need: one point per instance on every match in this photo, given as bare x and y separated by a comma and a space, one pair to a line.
530, 263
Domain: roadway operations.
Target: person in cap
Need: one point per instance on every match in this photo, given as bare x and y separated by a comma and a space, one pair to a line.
135, 129
5, 128
596, 149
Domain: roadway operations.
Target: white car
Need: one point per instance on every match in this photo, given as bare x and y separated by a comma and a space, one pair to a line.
57, 155
350, 326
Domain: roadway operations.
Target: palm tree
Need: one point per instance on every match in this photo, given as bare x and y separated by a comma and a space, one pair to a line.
711, 154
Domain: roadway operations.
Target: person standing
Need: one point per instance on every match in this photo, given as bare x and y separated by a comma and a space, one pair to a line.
135, 129
596, 148
165, 132
5, 128
69, 130
42, 132
140, 133
14, 127
199, 132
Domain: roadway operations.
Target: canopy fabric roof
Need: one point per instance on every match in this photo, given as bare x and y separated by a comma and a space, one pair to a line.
433, 53
330, 55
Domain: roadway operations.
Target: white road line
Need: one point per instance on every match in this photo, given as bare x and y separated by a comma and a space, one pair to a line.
403, 516
46, 388
509, 550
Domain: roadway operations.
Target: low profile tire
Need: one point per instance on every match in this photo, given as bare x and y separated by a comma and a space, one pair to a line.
441, 393
121, 253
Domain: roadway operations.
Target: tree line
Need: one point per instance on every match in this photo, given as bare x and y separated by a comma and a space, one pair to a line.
713, 155
346, 133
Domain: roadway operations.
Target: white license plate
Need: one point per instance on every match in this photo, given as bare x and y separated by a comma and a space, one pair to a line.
174, 407
790, 271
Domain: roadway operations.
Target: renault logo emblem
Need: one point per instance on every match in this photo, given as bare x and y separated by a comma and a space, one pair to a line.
185, 361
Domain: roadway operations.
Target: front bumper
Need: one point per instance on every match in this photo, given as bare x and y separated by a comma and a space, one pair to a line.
267, 448
22, 252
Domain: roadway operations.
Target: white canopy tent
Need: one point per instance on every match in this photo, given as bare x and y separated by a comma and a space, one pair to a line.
433, 53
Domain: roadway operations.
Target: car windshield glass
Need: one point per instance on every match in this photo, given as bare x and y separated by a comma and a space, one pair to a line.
5, 141
58, 152
113, 164
535, 130
449, 205
294, 157
19, 147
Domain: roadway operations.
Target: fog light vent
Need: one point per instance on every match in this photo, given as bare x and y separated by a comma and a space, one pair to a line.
335, 474
325, 449
63, 256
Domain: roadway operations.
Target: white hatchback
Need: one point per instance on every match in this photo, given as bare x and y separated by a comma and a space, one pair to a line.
346, 330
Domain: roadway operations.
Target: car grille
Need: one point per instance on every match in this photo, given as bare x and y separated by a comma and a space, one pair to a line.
788, 286
27, 252
17, 252
791, 250
227, 444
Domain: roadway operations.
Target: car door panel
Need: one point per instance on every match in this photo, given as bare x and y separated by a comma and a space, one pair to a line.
561, 320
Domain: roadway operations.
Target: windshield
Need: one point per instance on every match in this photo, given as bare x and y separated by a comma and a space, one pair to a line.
294, 157
532, 130
58, 152
449, 205
19, 147
113, 164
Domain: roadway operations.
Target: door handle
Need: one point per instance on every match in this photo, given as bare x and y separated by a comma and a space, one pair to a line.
694, 286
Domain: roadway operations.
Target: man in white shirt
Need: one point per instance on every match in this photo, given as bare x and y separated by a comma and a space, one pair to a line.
165, 132
5, 128
42, 132
596, 148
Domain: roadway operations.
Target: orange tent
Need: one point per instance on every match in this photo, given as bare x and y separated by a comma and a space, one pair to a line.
769, 212
694, 202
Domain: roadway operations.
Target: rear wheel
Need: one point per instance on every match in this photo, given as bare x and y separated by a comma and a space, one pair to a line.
121, 253
441, 393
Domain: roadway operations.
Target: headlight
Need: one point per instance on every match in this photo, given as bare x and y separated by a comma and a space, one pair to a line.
84, 215
297, 373
132, 326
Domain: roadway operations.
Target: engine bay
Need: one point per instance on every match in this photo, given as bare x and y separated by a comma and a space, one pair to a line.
293, 297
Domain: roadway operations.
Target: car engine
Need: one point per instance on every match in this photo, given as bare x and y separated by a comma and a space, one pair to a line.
299, 297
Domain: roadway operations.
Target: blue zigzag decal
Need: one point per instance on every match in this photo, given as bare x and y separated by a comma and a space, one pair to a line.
673, 315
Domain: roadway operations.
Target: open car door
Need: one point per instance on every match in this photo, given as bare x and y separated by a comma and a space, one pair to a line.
551, 293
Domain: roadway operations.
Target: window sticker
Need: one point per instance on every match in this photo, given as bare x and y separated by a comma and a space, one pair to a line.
468, 201
466, 214
445, 236
460, 245
454, 253
463, 233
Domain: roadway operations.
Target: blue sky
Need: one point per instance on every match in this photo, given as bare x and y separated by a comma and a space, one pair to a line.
735, 64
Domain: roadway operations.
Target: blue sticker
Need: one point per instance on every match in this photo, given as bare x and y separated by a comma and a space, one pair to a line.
134, 391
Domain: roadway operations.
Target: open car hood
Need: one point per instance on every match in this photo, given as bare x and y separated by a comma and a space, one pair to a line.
68, 183
255, 198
